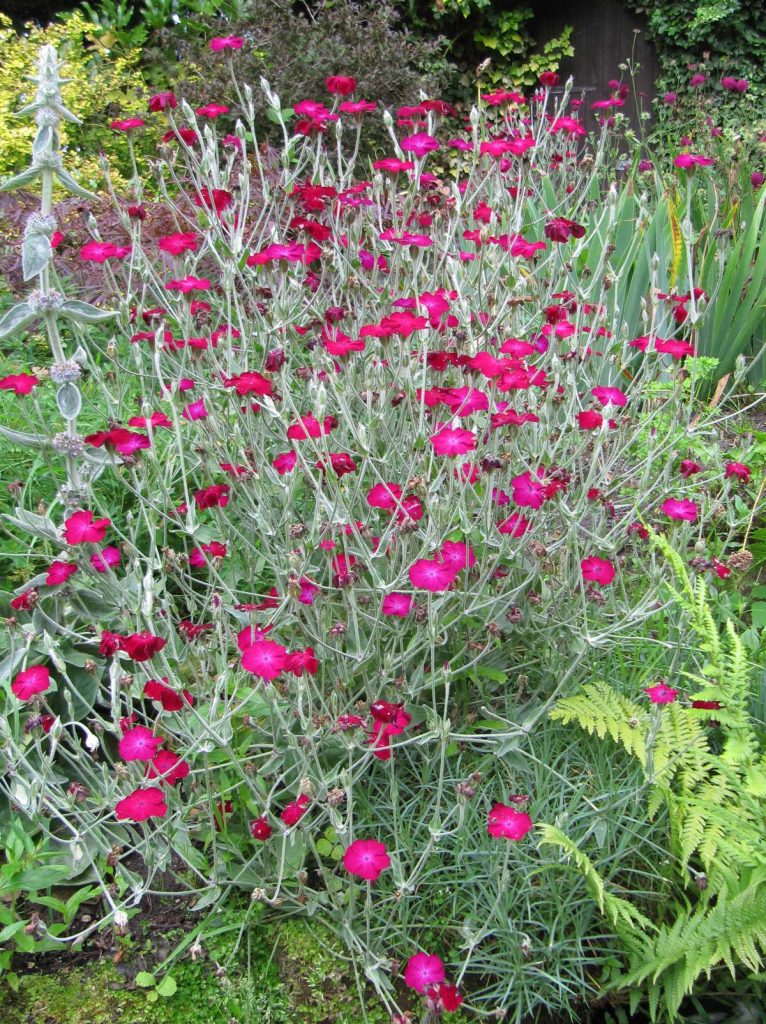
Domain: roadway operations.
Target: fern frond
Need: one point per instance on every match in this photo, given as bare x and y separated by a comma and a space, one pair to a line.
599, 709
614, 907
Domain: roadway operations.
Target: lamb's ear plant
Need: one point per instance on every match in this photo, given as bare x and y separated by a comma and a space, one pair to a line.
704, 761
379, 456
46, 303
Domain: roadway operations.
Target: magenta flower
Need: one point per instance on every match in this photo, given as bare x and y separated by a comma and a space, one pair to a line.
294, 811
561, 229
100, 252
453, 441
427, 574
142, 804
738, 470
515, 525
59, 572
340, 85
139, 744
223, 43
170, 699
82, 528
105, 559
505, 822
661, 693
31, 681
423, 971
162, 101
527, 492
397, 604
19, 383
127, 124
686, 161
265, 658
597, 570
419, 144
589, 419
610, 396
366, 858
181, 241
457, 554
195, 410
260, 829
680, 508
189, 284
168, 767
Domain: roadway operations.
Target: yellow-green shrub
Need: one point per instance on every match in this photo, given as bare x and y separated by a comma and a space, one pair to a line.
104, 85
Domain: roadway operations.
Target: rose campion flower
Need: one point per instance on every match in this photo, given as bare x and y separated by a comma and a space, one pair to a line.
527, 492
260, 829
680, 508
226, 43
366, 858
447, 997
294, 811
19, 383
189, 284
505, 822
453, 441
168, 768
387, 720
597, 570
141, 646
127, 124
30, 682
180, 242
265, 658
457, 554
589, 419
195, 411
561, 229
170, 699
100, 252
397, 604
340, 85
139, 744
688, 468
549, 79
610, 396
82, 528
162, 101
59, 572
661, 693
433, 575
419, 144
142, 804
107, 558
738, 470
423, 971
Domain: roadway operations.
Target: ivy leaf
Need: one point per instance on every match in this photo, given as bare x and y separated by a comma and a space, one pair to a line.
145, 980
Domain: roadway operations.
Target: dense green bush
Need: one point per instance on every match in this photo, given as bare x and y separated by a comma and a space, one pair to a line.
104, 84
296, 48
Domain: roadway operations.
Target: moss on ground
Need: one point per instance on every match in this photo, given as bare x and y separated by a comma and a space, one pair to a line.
291, 973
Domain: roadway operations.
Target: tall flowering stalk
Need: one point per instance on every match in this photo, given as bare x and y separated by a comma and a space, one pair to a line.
46, 302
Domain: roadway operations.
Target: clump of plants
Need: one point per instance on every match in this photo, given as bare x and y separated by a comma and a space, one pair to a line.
388, 447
